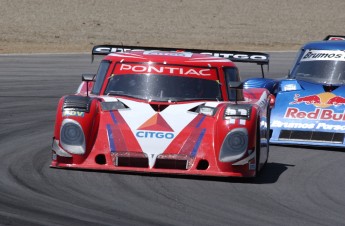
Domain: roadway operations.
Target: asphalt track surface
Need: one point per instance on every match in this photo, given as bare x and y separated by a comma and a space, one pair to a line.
298, 186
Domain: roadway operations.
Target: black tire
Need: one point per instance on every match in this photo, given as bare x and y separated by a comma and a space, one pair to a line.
268, 132
257, 148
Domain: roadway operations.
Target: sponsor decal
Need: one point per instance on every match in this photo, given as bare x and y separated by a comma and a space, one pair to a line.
105, 49
297, 125
153, 134
252, 166
335, 38
156, 122
322, 100
209, 73
177, 54
239, 56
155, 127
313, 55
228, 55
73, 113
318, 114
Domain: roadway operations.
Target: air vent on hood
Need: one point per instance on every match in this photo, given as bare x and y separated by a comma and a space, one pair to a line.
79, 103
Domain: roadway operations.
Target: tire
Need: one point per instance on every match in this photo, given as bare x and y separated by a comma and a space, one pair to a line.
268, 132
257, 148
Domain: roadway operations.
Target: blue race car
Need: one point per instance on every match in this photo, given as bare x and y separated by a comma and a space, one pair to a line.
310, 102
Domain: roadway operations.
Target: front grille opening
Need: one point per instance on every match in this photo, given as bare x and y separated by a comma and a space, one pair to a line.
100, 159
311, 136
65, 160
202, 165
330, 88
171, 164
159, 107
132, 162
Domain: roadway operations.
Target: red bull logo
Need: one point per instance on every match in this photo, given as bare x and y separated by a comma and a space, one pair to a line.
312, 99
318, 114
336, 101
322, 100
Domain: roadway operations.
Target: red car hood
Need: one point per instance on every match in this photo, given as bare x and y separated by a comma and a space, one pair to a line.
175, 132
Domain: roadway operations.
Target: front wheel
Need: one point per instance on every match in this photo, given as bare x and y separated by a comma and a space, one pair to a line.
257, 148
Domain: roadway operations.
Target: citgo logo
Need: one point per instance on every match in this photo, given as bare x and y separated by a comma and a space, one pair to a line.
155, 127
322, 100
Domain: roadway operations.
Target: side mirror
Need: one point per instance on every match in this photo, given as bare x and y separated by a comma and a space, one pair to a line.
237, 87
87, 78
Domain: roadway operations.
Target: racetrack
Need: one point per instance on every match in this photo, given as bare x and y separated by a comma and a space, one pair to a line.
299, 186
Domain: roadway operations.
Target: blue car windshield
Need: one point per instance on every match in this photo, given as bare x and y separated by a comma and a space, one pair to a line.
163, 87
321, 71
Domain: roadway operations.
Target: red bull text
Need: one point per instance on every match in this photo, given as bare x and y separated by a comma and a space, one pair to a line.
318, 114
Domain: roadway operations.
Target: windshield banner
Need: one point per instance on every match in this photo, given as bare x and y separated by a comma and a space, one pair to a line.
162, 69
333, 55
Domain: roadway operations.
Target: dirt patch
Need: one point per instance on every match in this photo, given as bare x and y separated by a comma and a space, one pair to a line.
39, 26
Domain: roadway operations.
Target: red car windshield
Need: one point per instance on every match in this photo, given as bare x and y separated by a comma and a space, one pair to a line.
163, 87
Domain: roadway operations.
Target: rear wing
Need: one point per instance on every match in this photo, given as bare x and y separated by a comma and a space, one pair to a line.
334, 38
235, 56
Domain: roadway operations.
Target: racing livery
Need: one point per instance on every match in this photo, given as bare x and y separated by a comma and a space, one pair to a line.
310, 103
172, 111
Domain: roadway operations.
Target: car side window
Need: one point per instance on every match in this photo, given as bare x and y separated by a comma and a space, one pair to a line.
101, 73
232, 75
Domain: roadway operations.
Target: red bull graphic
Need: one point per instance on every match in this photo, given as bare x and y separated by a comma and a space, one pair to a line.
336, 101
311, 99
322, 100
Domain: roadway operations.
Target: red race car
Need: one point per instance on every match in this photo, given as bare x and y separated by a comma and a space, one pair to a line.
167, 111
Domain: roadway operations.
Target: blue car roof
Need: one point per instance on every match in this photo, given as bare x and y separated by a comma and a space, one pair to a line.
325, 45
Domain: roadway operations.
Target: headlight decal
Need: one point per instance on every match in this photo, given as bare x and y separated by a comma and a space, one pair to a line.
239, 111
234, 145
71, 134
72, 137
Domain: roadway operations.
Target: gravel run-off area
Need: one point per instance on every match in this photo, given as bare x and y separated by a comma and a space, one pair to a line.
56, 26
